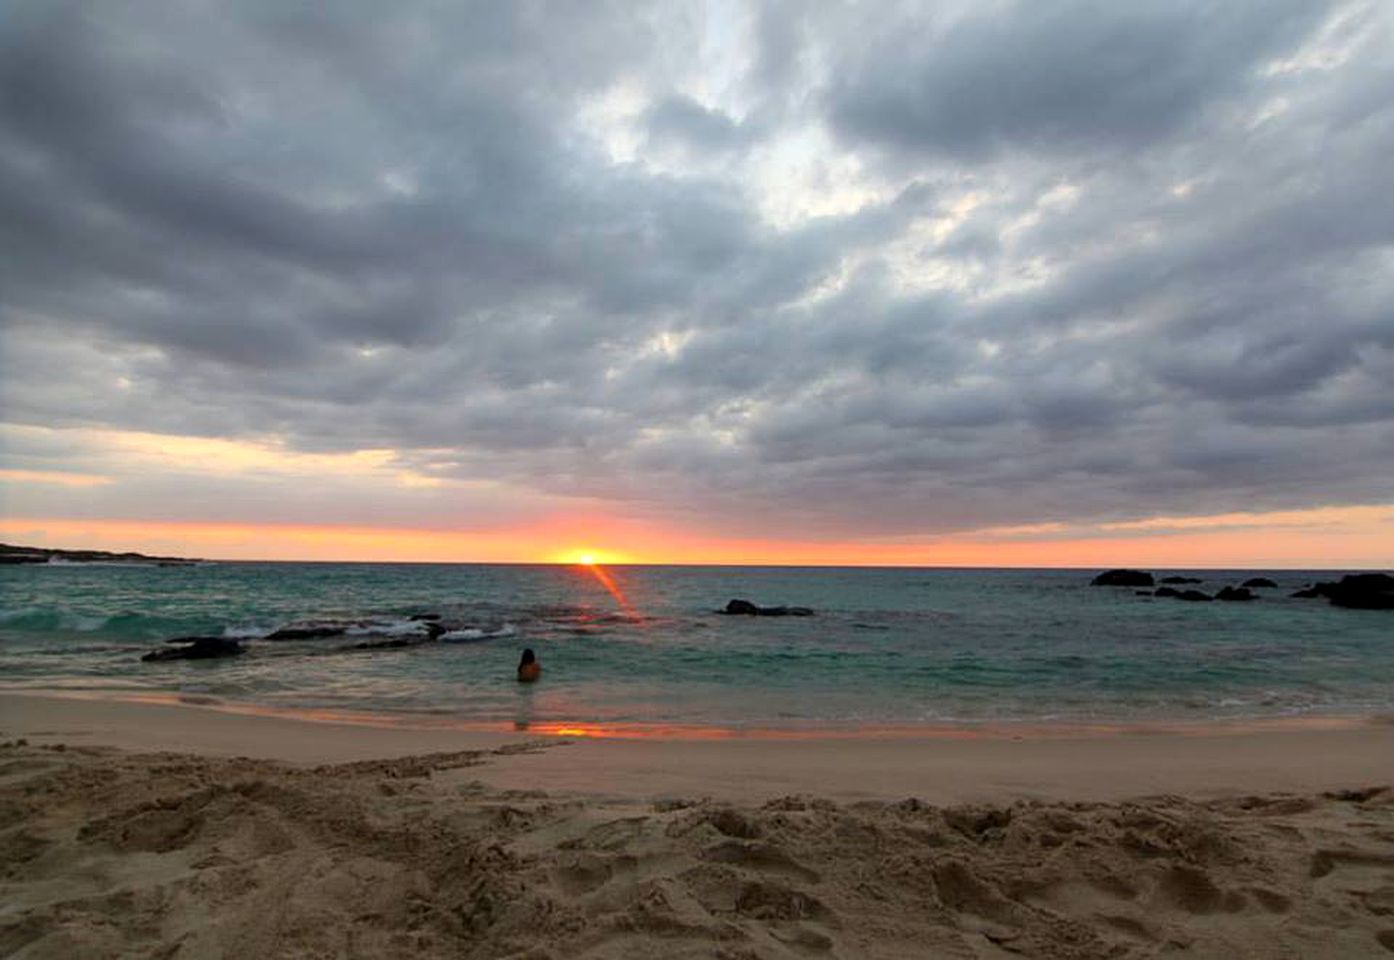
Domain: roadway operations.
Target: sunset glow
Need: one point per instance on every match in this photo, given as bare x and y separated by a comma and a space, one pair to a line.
604, 578
734, 287
1323, 538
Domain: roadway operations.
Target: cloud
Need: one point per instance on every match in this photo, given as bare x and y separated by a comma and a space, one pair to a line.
1070, 76
682, 119
957, 268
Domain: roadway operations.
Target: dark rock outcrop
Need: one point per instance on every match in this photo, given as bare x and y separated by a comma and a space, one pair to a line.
1362, 591
196, 648
1123, 578
747, 609
1259, 582
1358, 591
18, 558
1193, 595
310, 632
10, 553
1235, 594
423, 616
1182, 580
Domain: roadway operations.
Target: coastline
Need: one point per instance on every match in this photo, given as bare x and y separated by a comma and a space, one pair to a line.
941, 764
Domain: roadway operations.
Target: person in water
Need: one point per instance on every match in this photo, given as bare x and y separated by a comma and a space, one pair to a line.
528, 668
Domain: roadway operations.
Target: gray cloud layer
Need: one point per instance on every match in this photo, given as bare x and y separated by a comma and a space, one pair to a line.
1047, 262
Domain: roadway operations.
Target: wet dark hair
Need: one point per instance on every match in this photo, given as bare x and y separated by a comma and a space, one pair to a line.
528, 657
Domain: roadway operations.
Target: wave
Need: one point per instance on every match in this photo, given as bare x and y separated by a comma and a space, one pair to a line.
37, 620
476, 633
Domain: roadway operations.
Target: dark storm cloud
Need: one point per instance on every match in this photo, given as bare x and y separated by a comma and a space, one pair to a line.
683, 119
1046, 262
1057, 75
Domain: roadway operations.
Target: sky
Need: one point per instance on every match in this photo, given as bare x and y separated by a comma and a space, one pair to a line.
978, 283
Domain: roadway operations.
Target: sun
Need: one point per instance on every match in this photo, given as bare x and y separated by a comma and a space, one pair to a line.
585, 556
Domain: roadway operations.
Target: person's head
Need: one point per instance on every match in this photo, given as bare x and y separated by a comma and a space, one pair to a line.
528, 657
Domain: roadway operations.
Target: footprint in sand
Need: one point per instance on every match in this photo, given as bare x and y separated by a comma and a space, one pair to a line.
756, 855
1193, 891
584, 872
613, 835
763, 900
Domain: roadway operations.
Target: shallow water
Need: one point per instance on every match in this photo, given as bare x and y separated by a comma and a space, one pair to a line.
887, 647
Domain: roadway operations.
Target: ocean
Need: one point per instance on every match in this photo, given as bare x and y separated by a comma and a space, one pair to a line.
642, 647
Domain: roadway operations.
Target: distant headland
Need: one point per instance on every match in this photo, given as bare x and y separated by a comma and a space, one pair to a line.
11, 554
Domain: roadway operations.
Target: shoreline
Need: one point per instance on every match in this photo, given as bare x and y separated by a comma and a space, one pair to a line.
938, 766
1024, 729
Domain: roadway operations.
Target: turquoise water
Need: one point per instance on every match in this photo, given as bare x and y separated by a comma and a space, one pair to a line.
886, 647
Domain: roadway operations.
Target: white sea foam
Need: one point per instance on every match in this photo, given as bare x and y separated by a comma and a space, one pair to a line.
245, 632
475, 633
393, 628
469, 633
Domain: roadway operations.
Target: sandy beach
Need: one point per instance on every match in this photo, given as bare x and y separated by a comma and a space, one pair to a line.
136, 829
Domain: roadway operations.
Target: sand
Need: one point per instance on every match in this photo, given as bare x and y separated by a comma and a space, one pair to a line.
346, 840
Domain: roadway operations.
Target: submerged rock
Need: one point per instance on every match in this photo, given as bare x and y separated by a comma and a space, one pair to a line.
1123, 578
1235, 594
1195, 596
196, 648
1259, 582
1175, 579
747, 609
394, 643
1167, 592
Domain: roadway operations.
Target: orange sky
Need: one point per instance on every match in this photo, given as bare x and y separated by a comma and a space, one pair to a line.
1355, 537
422, 519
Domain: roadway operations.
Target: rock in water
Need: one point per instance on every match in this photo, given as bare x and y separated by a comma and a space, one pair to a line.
196, 648
1361, 591
1259, 582
1235, 594
1167, 592
1123, 578
1194, 595
745, 608
1182, 580
785, 612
